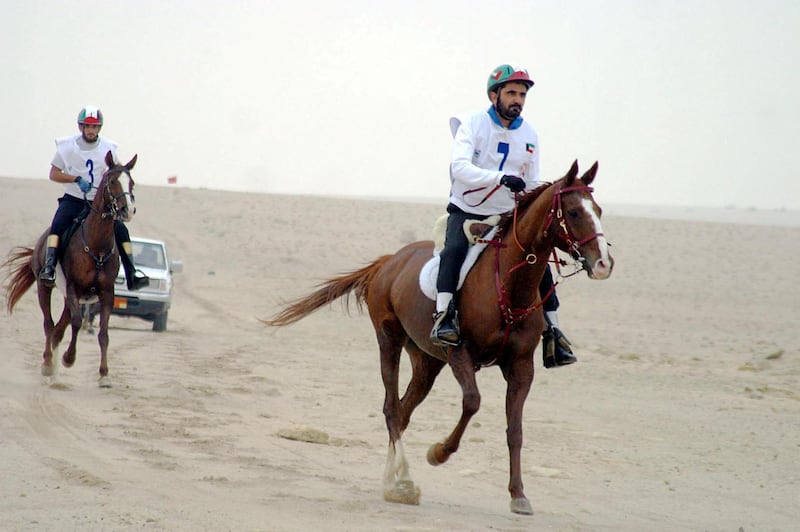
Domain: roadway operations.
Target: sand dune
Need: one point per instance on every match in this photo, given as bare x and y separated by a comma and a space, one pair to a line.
680, 415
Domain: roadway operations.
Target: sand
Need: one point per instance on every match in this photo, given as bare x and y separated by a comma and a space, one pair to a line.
681, 414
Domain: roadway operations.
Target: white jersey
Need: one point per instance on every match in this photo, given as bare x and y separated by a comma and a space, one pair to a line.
74, 156
483, 151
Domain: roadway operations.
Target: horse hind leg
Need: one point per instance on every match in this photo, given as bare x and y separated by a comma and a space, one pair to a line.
43, 294
397, 483
60, 328
424, 370
72, 315
464, 373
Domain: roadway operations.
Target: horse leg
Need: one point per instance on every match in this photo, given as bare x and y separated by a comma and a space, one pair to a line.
464, 372
43, 294
519, 378
74, 309
61, 326
102, 339
397, 483
424, 370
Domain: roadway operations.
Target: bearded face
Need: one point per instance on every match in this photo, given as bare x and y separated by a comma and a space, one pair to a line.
90, 132
510, 111
509, 100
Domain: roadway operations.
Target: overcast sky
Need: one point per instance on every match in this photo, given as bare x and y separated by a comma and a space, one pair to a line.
683, 102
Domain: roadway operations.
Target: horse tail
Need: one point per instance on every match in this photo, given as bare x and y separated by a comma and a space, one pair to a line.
355, 282
19, 264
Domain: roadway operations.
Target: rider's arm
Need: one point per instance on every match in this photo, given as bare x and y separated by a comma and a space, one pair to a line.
58, 175
462, 168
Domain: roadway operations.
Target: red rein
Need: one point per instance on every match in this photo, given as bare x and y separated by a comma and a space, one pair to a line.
514, 315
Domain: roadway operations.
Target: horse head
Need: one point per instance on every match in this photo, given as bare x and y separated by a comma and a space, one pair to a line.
573, 222
117, 190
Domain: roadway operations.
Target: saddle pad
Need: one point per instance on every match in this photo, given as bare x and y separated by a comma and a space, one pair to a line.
429, 272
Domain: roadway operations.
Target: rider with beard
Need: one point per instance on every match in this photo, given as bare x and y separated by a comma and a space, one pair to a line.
495, 154
79, 164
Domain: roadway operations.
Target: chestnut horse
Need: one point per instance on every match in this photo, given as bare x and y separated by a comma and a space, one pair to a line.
89, 264
500, 314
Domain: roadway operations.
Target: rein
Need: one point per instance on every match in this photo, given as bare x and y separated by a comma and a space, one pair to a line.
112, 210
555, 215
486, 197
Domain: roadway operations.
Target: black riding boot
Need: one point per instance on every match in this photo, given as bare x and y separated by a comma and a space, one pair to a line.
134, 278
48, 273
556, 349
445, 327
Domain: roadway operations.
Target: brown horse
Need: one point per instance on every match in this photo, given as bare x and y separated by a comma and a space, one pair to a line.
89, 264
500, 313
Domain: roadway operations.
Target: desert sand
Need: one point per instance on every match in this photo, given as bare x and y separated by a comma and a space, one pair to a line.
681, 414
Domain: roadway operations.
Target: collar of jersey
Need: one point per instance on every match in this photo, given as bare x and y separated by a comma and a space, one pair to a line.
496, 119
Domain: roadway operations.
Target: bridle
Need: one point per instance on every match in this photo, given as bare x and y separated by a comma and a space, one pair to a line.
112, 211
113, 207
556, 214
555, 218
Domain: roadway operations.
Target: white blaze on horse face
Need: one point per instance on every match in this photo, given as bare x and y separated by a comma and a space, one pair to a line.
129, 207
601, 268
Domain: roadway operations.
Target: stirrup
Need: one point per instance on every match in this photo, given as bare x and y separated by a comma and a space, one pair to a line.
556, 349
445, 334
140, 281
48, 277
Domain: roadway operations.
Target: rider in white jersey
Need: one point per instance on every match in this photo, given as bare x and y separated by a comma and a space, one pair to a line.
483, 152
495, 154
79, 164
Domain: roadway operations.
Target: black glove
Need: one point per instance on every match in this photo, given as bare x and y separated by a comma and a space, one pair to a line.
514, 183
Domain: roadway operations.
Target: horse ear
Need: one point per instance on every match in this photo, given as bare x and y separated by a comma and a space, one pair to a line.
588, 177
573, 172
132, 162
109, 159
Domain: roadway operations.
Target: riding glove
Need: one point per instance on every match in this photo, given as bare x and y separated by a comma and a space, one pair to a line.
514, 183
83, 184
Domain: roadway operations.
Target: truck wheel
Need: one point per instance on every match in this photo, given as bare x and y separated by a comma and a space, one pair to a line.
160, 322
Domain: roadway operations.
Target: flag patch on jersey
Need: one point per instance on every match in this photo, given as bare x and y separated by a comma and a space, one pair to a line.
529, 148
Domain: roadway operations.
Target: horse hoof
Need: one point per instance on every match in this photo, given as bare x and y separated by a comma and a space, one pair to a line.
66, 362
403, 492
47, 371
436, 454
104, 382
521, 506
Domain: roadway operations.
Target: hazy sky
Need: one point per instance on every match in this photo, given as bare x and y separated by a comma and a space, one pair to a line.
683, 102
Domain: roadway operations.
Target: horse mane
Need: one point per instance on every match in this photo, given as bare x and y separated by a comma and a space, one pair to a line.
523, 202
99, 197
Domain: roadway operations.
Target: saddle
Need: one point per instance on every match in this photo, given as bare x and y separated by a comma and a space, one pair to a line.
475, 230
67, 235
